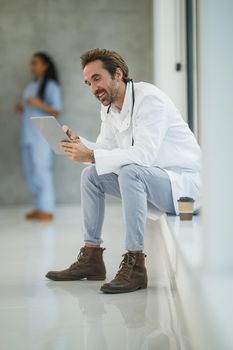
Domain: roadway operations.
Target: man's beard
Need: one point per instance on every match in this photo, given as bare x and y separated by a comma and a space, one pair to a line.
107, 98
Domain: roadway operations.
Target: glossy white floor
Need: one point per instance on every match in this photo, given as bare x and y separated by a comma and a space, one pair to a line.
36, 313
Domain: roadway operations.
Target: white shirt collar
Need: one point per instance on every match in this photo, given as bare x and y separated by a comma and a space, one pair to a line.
126, 107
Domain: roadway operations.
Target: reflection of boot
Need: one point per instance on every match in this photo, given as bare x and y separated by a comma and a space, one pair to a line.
131, 276
90, 265
133, 313
159, 339
89, 302
91, 305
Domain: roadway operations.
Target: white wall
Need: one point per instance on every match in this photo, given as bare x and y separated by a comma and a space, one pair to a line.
215, 78
215, 88
169, 47
64, 28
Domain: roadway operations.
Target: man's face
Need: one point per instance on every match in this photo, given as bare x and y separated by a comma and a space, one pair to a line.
101, 83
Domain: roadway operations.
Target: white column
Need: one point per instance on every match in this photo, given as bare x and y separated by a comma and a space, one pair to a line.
169, 47
215, 62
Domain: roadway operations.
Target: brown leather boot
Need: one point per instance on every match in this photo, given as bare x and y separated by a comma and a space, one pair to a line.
89, 265
131, 276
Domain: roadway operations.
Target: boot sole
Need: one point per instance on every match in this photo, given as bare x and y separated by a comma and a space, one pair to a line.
96, 278
118, 291
89, 278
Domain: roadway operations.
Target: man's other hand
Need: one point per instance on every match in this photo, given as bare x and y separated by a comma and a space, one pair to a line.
76, 151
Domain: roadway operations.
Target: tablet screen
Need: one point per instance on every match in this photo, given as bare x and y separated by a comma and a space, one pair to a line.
51, 131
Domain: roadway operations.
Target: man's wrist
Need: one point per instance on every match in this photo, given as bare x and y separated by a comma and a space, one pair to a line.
92, 157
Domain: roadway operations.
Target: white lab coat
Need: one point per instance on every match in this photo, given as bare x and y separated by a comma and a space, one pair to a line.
161, 138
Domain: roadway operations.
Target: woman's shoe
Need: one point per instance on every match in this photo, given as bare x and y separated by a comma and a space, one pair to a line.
39, 215
31, 214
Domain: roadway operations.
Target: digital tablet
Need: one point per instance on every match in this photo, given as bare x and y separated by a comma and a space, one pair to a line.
52, 132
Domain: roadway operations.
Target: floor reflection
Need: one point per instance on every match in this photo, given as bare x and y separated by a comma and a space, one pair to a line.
38, 314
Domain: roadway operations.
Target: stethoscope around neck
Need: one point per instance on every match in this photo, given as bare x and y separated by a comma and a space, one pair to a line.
133, 102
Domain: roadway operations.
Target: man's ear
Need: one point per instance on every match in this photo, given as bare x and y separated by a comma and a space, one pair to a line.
118, 74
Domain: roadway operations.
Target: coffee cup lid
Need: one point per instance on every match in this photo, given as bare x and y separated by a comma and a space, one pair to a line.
185, 199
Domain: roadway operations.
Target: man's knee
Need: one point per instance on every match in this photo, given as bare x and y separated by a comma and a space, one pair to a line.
88, 174
128, 173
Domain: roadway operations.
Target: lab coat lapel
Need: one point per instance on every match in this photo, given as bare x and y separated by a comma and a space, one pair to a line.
125, 114
124, 138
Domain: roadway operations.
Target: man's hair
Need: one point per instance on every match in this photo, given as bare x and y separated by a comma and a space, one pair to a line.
111, 60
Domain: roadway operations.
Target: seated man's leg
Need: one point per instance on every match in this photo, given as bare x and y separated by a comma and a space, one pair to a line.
93, 189
158, 188
90, 262
137, 186
132, 274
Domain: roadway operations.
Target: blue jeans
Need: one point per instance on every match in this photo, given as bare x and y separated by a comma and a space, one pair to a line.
37, 162
135, 185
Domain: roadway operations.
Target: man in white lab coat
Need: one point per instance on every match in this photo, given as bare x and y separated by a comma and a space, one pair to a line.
145, 154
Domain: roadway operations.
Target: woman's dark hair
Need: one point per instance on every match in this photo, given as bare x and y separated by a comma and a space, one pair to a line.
50, 73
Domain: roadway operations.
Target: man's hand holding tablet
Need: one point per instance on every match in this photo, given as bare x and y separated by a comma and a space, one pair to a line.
75, 149
72, 136
62, 139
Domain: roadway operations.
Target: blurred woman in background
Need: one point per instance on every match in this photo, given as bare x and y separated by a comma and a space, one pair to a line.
41, 97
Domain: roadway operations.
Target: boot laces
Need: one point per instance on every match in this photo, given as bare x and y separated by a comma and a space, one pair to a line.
126, 265
80, 258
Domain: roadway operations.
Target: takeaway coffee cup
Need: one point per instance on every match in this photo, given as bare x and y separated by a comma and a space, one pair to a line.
186, 208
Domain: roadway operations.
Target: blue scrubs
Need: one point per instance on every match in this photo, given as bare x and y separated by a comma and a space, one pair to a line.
36, 153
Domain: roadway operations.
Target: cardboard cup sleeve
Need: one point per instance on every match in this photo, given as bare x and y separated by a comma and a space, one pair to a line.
186, 205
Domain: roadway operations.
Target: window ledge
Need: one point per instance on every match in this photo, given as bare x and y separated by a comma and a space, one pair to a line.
187, 236
205, 297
